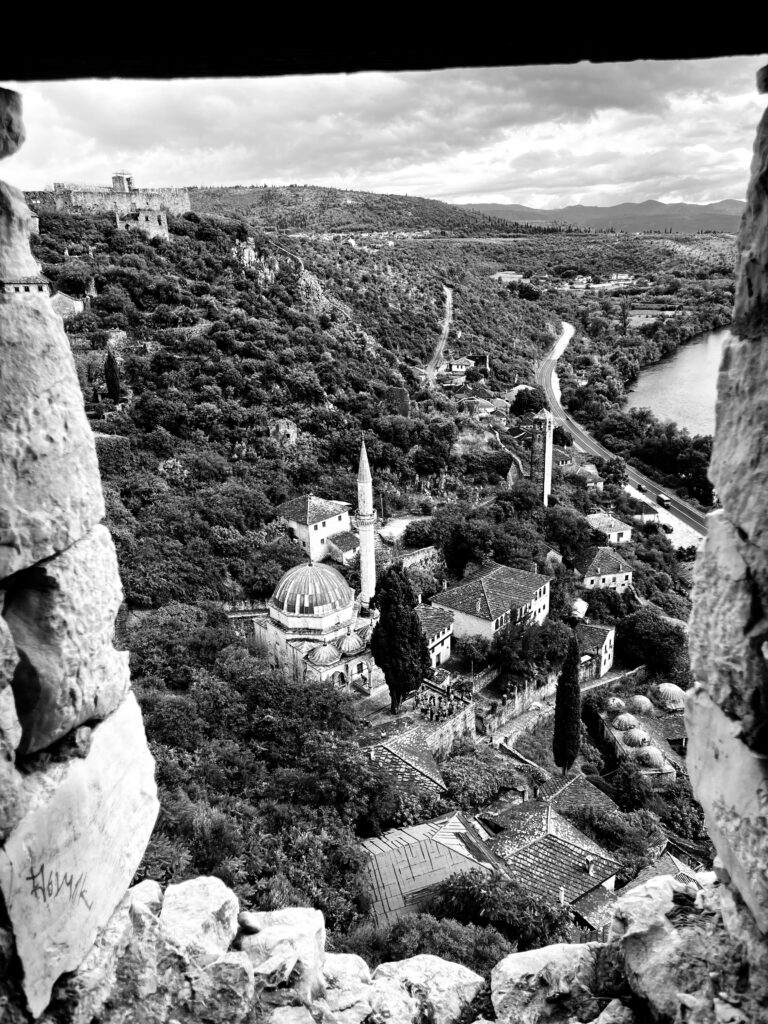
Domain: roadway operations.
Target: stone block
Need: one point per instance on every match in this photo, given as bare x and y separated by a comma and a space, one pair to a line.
750, 312
148, 894
525, 985
69, 861
50, 490
11, 123
280, 942
200, 916
730, 782
61, 614
441, 988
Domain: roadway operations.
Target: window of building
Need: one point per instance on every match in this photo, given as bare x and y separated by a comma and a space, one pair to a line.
315, 526
26, 287
360, 667
626, 576
339, 518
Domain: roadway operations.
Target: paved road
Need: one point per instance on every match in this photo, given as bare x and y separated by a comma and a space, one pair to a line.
546, 378
437, 357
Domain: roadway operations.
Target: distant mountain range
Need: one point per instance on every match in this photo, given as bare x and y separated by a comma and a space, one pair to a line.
648, 216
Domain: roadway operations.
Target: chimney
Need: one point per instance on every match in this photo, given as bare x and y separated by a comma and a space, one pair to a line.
418, 598
562, 895
534, 567
588, 862
445, 584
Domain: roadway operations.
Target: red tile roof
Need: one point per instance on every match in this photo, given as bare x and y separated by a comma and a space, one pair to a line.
492, 590
310, 509
602, 561
550, 864
434, 621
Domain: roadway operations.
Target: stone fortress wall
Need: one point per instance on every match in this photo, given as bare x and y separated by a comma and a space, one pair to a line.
122, 197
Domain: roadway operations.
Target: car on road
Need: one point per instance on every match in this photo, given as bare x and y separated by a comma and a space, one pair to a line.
642, 487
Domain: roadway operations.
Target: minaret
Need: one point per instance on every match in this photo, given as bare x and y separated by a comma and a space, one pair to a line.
365, 520
541, 453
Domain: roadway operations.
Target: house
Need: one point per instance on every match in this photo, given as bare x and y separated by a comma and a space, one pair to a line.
36, 284
437, 626
586, 472
620, 276
409, 762
561, 456
614, 531
597, 643
342, 547
646, 513
555, 862
312, 521
459, 366
667, 864
406, 865
66, 306
601, 568
492, 597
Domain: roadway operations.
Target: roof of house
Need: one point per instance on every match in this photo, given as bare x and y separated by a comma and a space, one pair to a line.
410, 761
492, 590
591, 637
433, 620
524, 823
667, 864
601, 561
549, 864
28, 279
606, 523
346, 541
580, 792
454, 830
596, 907
309, 509
462, 362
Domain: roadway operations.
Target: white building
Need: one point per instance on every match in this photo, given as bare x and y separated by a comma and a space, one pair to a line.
437, 626
494, 596
312, 521
603, 568
597, 642
614, 531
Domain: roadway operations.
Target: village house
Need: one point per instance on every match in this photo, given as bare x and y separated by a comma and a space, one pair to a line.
406, 865
313, 521
492, 597
36, 284
602, 568
614, 531
646, 513
459, 366
437, 626
596, 643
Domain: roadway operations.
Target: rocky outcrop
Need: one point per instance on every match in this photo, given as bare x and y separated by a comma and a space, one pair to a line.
426, 987
544, 984
727, 712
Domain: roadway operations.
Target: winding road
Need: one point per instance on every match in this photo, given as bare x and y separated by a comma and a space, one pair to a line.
546, 377
437, 357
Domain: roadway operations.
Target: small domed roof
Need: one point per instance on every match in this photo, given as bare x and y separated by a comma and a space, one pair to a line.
625, 721
615, 704
671, 696
640, 704
349, 644
324, 655
312, 589
650, 757
365, 632
636, 737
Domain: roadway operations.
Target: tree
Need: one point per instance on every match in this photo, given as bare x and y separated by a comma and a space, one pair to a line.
567, 732
398, 644
650, 638
112, 378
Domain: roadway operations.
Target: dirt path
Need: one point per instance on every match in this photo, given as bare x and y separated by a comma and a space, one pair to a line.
437, 357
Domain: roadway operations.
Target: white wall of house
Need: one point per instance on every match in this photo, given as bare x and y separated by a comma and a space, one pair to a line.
314, 539
618, 581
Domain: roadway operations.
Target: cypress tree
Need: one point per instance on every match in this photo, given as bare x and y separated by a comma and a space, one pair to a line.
112, 378
567, 734
398, 644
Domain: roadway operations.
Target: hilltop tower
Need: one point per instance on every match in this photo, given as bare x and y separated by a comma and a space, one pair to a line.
365, 521
541, 453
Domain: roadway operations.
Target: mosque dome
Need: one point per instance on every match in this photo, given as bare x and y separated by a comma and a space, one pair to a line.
650, 757
349, 644
636, 737
312, 589
323, 656
624, 722
640, 704
671, 696
615, 704
365, 632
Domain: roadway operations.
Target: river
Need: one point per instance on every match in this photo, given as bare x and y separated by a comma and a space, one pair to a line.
683, 387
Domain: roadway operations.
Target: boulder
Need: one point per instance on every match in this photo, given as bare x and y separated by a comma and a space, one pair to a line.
280, 942
16, 259
615, 1013
347, 987
11, 123
200, 916
68, 862
148, 894
437, 990
61, 614
50, 489
543, 984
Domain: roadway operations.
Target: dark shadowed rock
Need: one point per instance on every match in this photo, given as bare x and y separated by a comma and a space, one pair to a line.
11, 123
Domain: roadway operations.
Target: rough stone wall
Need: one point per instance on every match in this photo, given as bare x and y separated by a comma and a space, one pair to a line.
727, 713
102, 199
77, 791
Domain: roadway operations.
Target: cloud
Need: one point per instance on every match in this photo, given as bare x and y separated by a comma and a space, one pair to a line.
540, 134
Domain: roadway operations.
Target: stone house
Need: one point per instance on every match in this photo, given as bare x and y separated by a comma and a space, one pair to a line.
312, 521
597, 643
603, 568
492, 597
37, 284
437, 626
612, 529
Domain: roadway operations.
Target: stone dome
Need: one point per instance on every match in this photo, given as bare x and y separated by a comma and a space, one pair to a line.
625, 722
636, 737
365, 632
349, 644
615, 704
650, 757
671, 696
640, 704
323, 656
312, 589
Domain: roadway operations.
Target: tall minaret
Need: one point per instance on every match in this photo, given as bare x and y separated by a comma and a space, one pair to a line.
365, 520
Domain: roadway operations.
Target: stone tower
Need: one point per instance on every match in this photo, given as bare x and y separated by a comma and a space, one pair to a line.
365, 520
541, 453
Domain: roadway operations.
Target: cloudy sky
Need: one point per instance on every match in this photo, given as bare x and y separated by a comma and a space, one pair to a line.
543, 136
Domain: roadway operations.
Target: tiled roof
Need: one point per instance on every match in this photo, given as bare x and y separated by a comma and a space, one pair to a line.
596, 907
580, 792
550, 864
555, 784
525, 823
410, 762
606, 523
667, 864
492, 590
454, 831
591, 637
602, 561
310, 509
433, 620
346, 541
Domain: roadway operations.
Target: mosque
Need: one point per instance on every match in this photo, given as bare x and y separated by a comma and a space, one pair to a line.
315, 628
